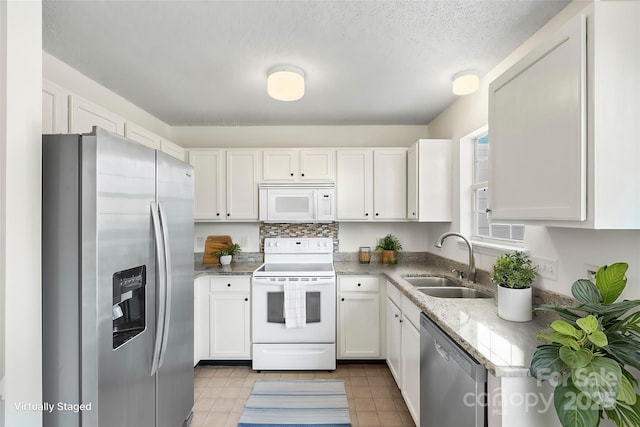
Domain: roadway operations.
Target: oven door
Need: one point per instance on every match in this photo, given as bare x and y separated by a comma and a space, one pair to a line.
268, 311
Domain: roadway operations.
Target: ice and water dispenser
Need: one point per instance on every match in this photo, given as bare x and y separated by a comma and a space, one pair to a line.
128, 311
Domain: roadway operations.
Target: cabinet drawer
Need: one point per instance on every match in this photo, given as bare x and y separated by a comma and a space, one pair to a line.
231, 284
359, 283
394, 294
411, 311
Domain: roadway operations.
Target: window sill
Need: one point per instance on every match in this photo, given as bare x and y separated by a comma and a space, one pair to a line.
492, 248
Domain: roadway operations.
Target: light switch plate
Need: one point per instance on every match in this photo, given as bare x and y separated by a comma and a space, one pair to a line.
547, 267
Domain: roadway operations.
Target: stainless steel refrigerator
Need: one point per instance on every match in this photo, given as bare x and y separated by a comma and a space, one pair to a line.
117, 282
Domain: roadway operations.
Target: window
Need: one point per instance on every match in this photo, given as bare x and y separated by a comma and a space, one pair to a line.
482, 226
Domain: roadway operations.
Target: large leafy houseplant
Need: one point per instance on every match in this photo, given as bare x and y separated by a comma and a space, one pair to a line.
591, 351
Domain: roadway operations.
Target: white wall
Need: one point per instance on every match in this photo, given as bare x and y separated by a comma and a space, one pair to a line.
296, 136
69, 78
571, 247
21, 176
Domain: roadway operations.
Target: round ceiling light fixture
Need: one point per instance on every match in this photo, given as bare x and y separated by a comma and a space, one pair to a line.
285, 83
465, 82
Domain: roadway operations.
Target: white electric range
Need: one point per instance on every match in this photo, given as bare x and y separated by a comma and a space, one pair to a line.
309, 262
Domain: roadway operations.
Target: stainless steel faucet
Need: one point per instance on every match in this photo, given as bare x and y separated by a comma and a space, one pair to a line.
472, 263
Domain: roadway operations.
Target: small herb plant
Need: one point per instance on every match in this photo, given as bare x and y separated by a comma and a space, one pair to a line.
589, 352
389, 243
514, 270
234, 249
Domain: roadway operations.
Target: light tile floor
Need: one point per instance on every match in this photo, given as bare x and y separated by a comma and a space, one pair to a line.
374, 399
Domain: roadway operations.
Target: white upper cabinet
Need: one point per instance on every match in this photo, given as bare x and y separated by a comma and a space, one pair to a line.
298, 164
390, 184
209, 184
354, 184
429, 180
84, 115
225, 184
371, 184
141, 135
55, 108
173, 149
243, 171
564, 128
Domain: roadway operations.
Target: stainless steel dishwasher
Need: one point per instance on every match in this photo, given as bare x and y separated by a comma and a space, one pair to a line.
452, 383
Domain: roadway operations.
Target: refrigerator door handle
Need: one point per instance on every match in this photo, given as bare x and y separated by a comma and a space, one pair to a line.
168, 282
161, 289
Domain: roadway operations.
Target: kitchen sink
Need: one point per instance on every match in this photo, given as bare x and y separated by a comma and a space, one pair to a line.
431, 281
453, 292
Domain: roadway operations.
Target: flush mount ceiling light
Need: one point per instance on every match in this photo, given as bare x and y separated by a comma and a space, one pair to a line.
465, 82
285, 83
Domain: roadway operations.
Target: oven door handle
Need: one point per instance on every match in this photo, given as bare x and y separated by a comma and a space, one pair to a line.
325, 281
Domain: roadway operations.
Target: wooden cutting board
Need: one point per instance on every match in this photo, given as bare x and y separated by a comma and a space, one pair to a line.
212, 245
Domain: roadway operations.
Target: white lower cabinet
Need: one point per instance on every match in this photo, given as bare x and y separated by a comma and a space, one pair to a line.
359, 320
403, 347
222, 311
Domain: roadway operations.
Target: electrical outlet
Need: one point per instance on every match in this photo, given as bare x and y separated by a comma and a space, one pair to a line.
590, 271
244, 242
200, 242
547, 267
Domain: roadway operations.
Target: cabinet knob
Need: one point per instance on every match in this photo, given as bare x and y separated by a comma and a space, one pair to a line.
367, 214
377, 214
291, 173
302, 174
228, 214
359, 284
217, 213
229, 284
400, 320
341, 299
413, 213
396, 315
246, 299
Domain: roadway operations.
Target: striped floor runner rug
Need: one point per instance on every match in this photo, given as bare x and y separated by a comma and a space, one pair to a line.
296, 403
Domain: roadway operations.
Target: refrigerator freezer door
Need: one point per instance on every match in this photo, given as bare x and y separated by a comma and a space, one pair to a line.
175, 374
125, 189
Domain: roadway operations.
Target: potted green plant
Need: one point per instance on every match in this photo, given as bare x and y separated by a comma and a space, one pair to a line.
226, 255
388, 246
588, 353
514, 274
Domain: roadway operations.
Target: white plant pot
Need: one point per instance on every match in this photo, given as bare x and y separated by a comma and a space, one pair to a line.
515, 304
225, 259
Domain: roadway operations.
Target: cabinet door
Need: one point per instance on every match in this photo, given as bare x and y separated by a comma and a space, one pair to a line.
55, 109
229, 325
317, 164
201, 320
412, 182
84, 115
172, 149
410, 368
141, 135
208, 184
359, 325
354, 186
243, 170
394, 330
537, 132
390, 184
280, 165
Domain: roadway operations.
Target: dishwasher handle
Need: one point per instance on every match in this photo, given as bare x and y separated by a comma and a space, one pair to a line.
441, 351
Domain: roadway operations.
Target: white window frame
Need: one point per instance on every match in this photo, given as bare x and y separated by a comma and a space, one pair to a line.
468, 187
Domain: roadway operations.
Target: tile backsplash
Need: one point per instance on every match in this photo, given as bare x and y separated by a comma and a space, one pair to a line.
299, 230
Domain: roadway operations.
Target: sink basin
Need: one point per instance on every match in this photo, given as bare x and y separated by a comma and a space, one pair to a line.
451, 292
431, 281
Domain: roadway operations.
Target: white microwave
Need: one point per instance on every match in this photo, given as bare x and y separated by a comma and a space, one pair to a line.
304, 202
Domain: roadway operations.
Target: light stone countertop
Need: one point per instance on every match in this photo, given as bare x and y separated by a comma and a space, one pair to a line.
503, 347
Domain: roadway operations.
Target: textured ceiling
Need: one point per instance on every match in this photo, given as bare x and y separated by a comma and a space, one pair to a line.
366, 62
